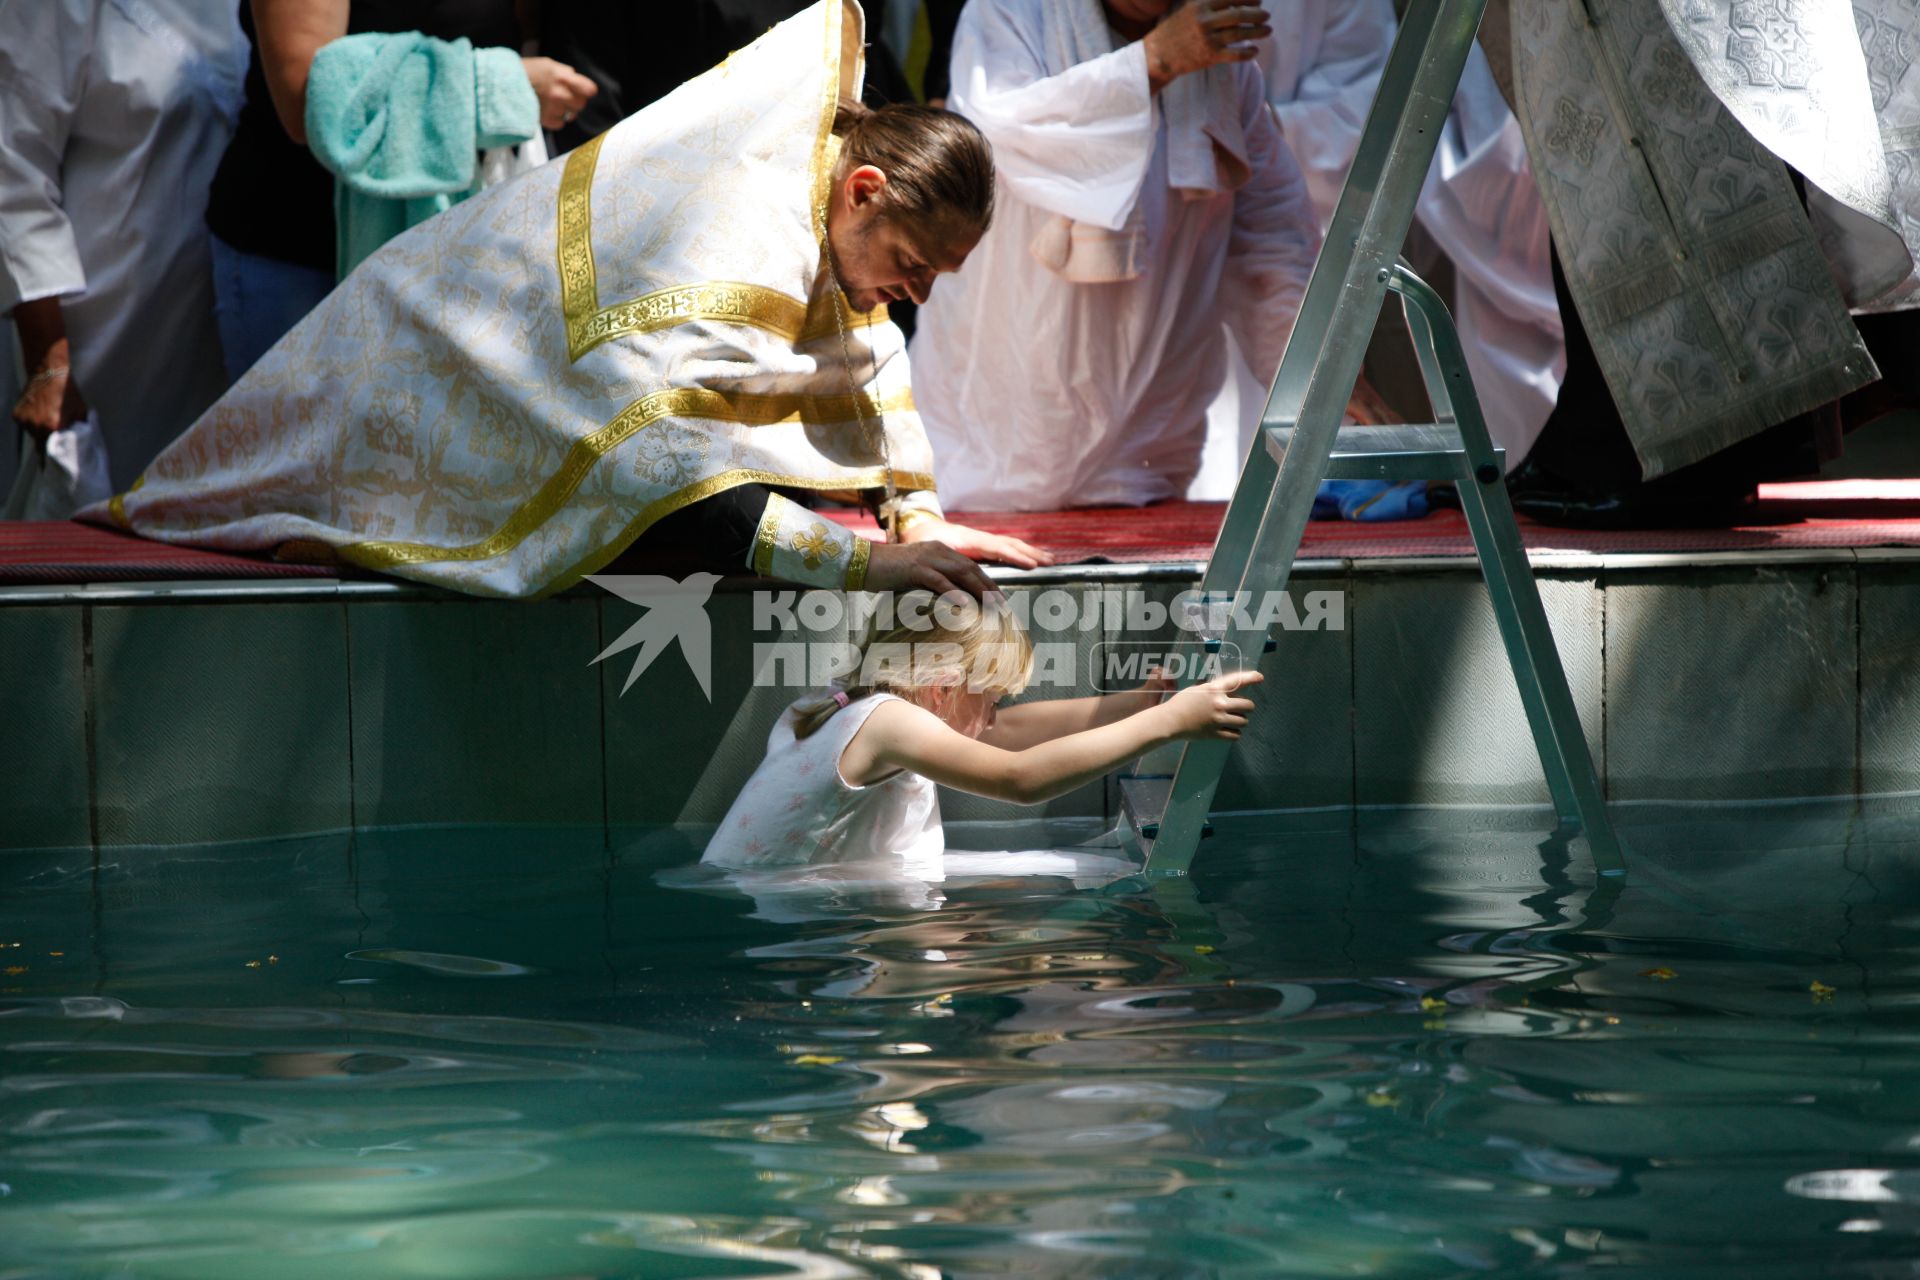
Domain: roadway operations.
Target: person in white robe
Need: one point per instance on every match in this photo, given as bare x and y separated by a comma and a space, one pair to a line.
1147, 208
688, 308
113, 116
1479, 202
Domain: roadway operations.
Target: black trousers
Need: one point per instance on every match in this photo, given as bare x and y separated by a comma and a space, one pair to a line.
1584, 446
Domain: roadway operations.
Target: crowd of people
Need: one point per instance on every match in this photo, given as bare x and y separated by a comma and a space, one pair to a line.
302, 277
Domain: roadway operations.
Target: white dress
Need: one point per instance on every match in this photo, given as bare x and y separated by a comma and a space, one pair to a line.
797, 810
113, 116
1039, 392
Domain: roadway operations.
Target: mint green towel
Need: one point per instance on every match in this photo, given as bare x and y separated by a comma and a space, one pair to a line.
399, 119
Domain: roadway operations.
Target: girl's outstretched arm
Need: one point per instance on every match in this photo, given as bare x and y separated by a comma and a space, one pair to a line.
1028, 724
899, 735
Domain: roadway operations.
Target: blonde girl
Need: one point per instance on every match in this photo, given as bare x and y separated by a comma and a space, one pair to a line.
850, 774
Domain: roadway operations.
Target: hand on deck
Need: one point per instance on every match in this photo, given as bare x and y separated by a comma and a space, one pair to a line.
935, 566
977, 544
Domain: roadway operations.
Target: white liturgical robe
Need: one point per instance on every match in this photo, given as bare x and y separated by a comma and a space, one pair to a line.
1041, 391
504, 397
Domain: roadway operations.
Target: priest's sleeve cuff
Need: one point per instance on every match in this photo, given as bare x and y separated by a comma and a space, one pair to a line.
914, 504
794, 544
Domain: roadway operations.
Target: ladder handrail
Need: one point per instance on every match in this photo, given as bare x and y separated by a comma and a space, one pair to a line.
1364, 240
1260, 535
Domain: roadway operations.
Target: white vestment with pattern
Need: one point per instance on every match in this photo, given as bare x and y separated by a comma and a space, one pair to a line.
504, 397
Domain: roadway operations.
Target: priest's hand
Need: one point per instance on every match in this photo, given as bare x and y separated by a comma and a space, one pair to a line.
976, 544
895, 566
1203, 34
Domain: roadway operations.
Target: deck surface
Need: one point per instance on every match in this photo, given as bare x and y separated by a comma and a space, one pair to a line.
1808, 516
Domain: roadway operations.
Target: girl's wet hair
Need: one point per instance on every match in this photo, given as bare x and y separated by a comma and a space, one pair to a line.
939, 167
982, 646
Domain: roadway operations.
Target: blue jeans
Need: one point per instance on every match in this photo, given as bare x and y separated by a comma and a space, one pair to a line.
256, 300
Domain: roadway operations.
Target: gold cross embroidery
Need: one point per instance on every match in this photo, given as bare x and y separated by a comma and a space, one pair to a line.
813, 546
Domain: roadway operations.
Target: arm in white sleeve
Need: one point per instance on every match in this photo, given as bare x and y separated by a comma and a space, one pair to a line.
1076, 143
45, 54
1274, 242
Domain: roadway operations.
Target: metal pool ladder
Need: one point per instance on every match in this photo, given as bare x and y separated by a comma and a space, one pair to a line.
1302, 441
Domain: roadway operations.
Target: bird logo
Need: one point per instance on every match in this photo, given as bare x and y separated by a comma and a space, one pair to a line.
675, 610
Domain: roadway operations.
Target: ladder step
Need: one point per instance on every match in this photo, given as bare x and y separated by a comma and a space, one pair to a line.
1402, 451
1143, 798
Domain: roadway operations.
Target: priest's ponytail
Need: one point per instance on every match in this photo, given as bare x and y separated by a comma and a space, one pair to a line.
939, 167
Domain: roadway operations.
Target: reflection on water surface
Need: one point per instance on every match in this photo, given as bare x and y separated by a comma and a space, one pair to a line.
1423, 1048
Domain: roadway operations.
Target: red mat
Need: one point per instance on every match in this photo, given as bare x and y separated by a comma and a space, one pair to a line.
1822, 514
66, 551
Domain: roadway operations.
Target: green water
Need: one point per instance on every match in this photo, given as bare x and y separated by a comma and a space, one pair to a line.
1423, 1047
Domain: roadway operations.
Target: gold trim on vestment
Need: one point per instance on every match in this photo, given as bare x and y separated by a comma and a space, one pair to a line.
117, 505
823, 323
823, 152
857, 567
579, 287
768, 532
680, 402
589, 324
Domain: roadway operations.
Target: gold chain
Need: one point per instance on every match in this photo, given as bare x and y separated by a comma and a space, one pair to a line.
892, 507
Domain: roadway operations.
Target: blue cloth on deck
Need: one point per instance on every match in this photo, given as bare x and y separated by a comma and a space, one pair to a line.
400, 118
1370, 500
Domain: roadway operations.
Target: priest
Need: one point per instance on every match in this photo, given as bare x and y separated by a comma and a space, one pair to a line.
683, 320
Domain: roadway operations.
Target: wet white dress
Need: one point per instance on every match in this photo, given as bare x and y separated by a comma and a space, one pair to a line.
797, 810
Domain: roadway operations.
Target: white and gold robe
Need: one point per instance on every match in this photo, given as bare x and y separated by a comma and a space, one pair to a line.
503, 398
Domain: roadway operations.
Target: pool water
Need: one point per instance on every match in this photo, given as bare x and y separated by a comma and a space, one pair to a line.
1422, 1045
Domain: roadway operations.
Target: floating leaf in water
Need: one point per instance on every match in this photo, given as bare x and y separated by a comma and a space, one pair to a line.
816, 1060
1432, 1004
1661, 974
1821, 991
14, 970
1202, 949
1380, 1098
253, 964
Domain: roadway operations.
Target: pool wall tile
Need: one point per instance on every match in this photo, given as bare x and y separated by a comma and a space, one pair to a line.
1732, 684
43, 712
676, 754
1437, 715
1889, 679
217, 723
476, 712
